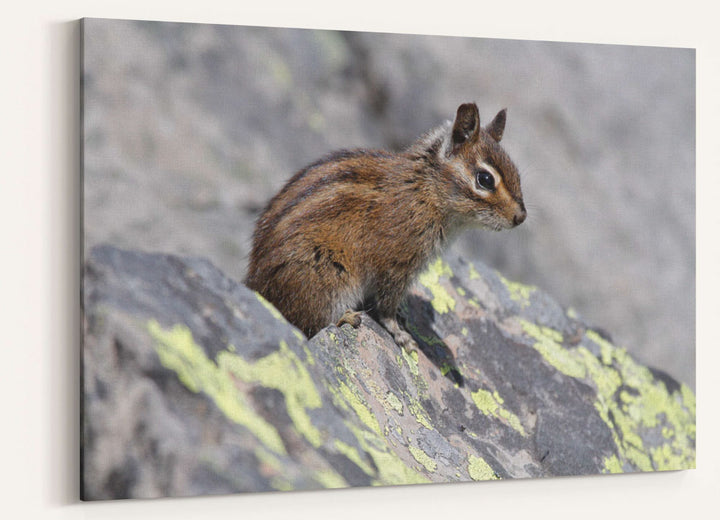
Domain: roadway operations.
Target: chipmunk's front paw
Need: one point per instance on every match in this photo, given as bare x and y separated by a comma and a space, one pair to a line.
350, 317
406, 341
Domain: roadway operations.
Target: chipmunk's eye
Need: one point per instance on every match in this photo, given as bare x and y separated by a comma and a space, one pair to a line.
485, 180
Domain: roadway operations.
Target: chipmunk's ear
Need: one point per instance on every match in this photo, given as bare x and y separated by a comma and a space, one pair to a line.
466, 125
496, 127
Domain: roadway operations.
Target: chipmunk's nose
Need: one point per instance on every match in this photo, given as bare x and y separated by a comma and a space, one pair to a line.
520, 216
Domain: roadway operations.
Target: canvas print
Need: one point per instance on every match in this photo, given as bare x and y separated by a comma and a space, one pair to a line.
322, 259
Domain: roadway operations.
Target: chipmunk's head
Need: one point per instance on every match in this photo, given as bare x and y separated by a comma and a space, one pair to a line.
487, 184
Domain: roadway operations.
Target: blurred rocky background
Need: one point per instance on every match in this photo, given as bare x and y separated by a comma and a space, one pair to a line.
189, 129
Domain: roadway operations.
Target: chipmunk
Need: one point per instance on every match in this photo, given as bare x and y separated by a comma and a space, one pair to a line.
358, 226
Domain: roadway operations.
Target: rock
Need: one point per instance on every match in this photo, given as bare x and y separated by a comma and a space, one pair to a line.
193, 384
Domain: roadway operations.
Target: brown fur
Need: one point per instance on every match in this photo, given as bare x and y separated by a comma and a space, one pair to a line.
360, 225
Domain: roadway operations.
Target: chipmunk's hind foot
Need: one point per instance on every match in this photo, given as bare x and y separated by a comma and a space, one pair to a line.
400, 335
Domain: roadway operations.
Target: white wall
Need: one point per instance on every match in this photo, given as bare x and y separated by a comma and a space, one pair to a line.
39, 200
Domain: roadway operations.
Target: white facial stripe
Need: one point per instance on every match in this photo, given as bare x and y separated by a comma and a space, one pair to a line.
492, 171
496, 177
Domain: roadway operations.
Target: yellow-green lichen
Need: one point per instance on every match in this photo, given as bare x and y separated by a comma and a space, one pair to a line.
688, 399
519, 293
645, 408
393, 402
386, 398
606, 348
270, 307
411, 358
629, 400
423, 458
391, 469
417, 411
612, 465
282, 370
351, 396
308, 355
354, 455
178, 352
548, 343
480, 470
473, 274
442, 301
664, 458
490, 403
330, 479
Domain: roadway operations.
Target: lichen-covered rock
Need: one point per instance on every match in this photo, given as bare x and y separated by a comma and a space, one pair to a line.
193, 384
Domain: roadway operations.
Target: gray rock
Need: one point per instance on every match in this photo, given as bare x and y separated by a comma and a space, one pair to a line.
194, 385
